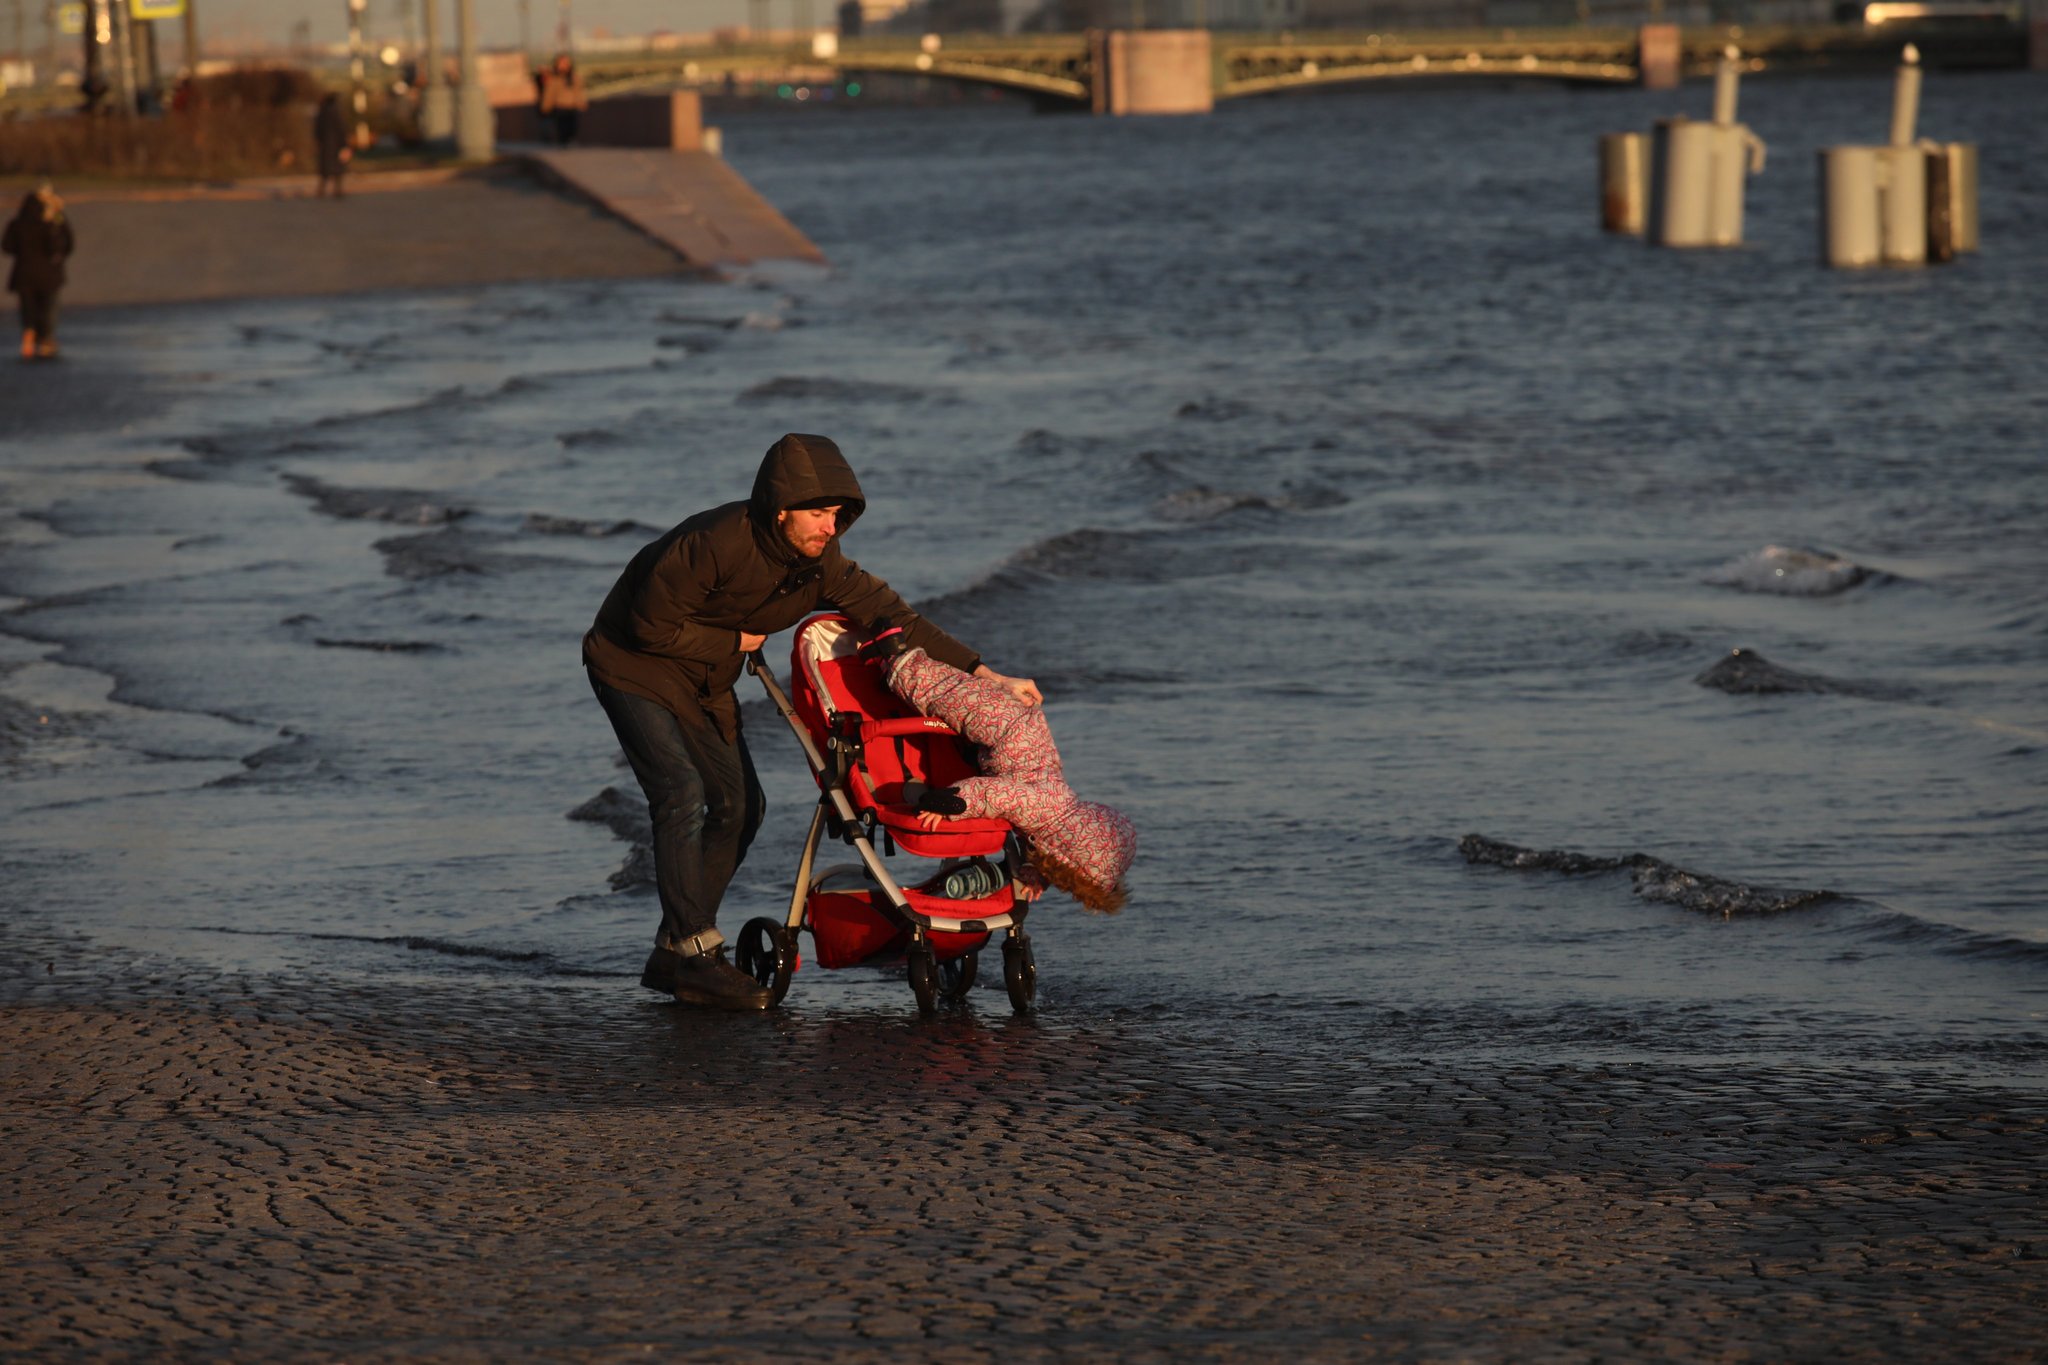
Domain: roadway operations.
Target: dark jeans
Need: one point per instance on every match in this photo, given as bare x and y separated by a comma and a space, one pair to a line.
704, 799
39, 312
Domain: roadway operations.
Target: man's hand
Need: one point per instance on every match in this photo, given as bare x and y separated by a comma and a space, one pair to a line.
750, 643
1023, 689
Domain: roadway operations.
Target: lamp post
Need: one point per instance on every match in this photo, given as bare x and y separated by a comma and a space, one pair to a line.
358, 97
108, 41
437, 110
192, 37
474, 137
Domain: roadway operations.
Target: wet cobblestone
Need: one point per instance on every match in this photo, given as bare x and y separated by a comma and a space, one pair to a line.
203, 1165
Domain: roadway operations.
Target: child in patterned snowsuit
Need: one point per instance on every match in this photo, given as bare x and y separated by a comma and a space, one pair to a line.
1081, 847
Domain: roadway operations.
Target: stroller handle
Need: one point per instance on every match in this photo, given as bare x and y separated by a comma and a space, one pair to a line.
905, 725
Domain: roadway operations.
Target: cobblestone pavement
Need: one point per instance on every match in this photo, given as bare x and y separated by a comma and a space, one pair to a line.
203, 1165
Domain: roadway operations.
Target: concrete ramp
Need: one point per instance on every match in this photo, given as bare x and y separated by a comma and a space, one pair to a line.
691, 202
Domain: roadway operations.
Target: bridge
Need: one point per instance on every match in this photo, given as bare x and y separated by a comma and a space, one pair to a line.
1075, 69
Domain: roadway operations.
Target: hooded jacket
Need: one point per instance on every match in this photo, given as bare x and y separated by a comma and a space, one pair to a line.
669, 629
39, 240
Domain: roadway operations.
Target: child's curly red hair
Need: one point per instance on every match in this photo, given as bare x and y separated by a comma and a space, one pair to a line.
1093, 895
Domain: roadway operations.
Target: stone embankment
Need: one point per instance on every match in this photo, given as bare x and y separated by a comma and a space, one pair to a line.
626, 214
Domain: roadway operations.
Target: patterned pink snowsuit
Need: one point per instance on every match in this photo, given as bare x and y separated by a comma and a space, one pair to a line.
1021, 780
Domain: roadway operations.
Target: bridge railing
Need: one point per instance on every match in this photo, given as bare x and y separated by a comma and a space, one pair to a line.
1248, 62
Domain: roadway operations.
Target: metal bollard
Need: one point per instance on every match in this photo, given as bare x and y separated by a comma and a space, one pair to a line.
1700, 171
1848, 207
1903, 203
1624, 182
1682, 184
1962, 183
1902, 199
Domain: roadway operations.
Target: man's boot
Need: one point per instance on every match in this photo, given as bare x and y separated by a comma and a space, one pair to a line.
660, 972
708, 979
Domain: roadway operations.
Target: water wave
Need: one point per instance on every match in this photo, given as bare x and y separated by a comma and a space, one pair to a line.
627, 818
546, 962
269, 442
1043, 441
1744, 672
676, 319
1654, 879
546, 524
1792, 572
598, 438
1202, 503
439, 554
1895, 926
382, 646
799, 388
404, 506
288, 762
1214, 410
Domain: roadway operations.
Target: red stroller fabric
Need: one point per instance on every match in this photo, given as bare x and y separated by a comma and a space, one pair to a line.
897, 746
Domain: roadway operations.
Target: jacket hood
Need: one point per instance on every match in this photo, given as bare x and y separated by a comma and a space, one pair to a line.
801, 468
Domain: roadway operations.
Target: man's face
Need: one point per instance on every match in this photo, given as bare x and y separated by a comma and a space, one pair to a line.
809, 529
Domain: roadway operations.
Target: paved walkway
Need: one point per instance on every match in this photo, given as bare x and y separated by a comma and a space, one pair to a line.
424, 231
692, 201
201, 1165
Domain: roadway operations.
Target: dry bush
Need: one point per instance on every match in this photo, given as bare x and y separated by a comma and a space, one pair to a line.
239, 123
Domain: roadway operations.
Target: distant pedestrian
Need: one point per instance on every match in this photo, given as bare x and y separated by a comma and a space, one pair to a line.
330, 142
39, 239
563, 99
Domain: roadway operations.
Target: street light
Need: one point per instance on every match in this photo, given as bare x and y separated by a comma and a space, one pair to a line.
437, 110
474, 139
359, 98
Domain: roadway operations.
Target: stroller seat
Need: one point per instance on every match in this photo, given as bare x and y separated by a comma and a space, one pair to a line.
897, 745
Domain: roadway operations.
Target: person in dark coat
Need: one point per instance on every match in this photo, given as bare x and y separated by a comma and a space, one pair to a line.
330, 142
40, 241
563, 99
665, 652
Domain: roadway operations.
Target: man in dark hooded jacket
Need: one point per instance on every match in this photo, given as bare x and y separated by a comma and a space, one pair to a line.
663, 657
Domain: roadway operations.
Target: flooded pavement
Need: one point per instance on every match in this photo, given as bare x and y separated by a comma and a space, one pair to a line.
204, 1163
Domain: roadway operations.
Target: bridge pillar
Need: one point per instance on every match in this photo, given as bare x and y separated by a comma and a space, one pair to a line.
1659, 55
1150, 71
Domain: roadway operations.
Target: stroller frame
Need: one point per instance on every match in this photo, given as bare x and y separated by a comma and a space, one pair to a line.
940, 950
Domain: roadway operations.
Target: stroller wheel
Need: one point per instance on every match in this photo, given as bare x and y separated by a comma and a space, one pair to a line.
956, 977
1020, 972
924, 979
767, 952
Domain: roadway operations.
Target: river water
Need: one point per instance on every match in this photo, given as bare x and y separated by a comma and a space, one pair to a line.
1345, 489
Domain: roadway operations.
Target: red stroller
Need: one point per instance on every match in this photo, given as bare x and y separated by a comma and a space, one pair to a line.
864, 745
